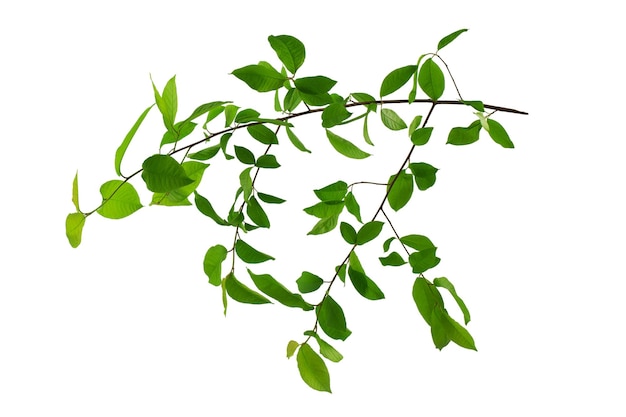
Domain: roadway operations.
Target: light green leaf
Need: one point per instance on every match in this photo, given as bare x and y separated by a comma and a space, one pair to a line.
230, 112
292, 346
292, 100
449, 38
331, 319
366, 133
464, 135
246, 183
348, 233
240, 292
295, 141
224, 144
353, 206
369, 231
119, 154
421, 136
247, 115
260, 77
401, 191
162, 173
119, 199
206, 153
445, 283
250, 255
332, 192
325, 225
213, 259
308, 282
326, 349
325, 209
256, 213
431, 79
396, 79
425, 175
74, 224
244, 155
178, 197
263, 134
415, 123
205, 207
268, 285
290, 51
498, 134
444, 329
391, 120
393, 259
181, 130
75, 192
167, 103
345, 147
312, 369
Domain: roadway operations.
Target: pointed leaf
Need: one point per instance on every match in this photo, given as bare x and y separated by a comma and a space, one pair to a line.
348, 233
121, 150
244, 155
393, 259
431, 79
290, 51
334, 114
464, 135
295, 141
263, 134
499, 135
401, 191
205, 207
325, 225
247, 115
177, 197
162, 173
272, 288
475, 104
396, 79
415, 123
391, 120
205, 154
250, 255
345, 147
387, 243
119, 199
314, 85
270, 199
312, 369
246, 183
425, 175
332, 192
267, 161
75, 192
423, 260
74, 224
240, 292
325, 209
362, 283
445, 283
256, 213
449, 38
417, 242
308, 282
421, 136
353, 206
213, 259
331, 319
326, 349
369, 231
427, 298
365, 98
260, 77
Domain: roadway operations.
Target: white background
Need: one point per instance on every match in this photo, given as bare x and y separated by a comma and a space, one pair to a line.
127, 325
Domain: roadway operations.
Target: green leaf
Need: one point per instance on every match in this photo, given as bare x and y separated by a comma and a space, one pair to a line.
205, 207
345, 147
421, 136
353, 206
247, 115
162, 173
292, 99
498, 134
362, 283
178, 197
260, 77
369, 231
230, 112
366, 133
447, 39
290, 51
75, 192
401, 190
181, 130
417, 242
332, 320
332, 192
365, 98
308, 282
119, 199
464, 135
267, 161
341, 272
393, 259
224, 144
348, 233
292, 346
387, 243
312, 369
295, 141
475, 104
272, 288
167, 103
396, 79
246, 183
444, 329
423, 260
445, 283
431, 79
213, 259
250, 255
326, 349
314, 85
334, 114
244, 155
325, 225
74, 224
256, 213
391, 120
206, 153
270, 199
212, 114
263, 134
121, 150
425, 175
427, 298
415, 123
239, 292
325, 209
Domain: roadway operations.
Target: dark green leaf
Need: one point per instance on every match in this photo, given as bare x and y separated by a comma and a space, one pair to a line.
427, 298
212, 114
292, 99
205, 207
431, 79
421, 136
119, 154
391, 120
308, 282
316, 99
260, 77
332, 192
267, 161
313, 369
365, 98
447, 39
334, 114
396, 79
353, 206
325, 225
345, 147
423, 260
387, 243
393, 259
205, 154
476, 104
295, 141
417, 242
74, 224
362, 283
247, 115
250, 255
445, 283
162, 173
498, 134
326, 349
268, 285
348, 233
263, 134
369, 231
332, 320
239, 292
213, 259
401, 191
256, 213
270, 199
119, 199
290, 51
325, 209
425, 175
244, 155
464, 135
314, 85
291, 348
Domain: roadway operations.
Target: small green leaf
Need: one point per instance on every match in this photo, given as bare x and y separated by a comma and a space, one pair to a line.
401, 190
292, 99
250, 255
246, 183
162, 173
425, 175
366, 133
267, 161
314, 85
427, 298
353, 206
369, 231
332, 192
295, 141
415, 123
332, 319
348, 233
431, 79
362, 283
239, 292
260, 77
181, 130
475, 104
268, 285
292, 346
325, 225
119, 199
121, 150
247, 115
244, 155
391, 120
326, 349
396, 79
256, 213
423, 260
421, 136
345, 147
263, 134
334, 114
167, 103
445, 283
449, 38
365, 98
290, 51
206, 153
270, 199
387, 243
74, 224
417, 242
75, 192
464, 135
205, 207
312, 369
308, 282
498, 134
393, 259
213, 259
325, 209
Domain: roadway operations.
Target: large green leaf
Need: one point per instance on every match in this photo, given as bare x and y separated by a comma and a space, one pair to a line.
290, 51
417, 242
312, 369
119, 199
267, 161
74, 228
240, 292
449, 38
465, 135
331, 319
332, 192
425, 175
268, 285
250, 255
308, 282
444, 329
178, 197
391, 120
246, 183
181, 130
121, 150
247, 115
260, 77
431, 79
345, 147
213, 259
314, 85
162, 173
369, 231
401, 191
263, 134
396, 79
206, 153
445, 283
256, 213
498, 134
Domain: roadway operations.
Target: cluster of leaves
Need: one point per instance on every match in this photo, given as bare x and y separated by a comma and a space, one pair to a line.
175, 183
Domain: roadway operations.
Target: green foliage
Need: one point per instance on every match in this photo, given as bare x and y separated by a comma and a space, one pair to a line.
175, 174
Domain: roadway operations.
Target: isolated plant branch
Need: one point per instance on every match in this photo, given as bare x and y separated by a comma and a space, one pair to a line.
174, 182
